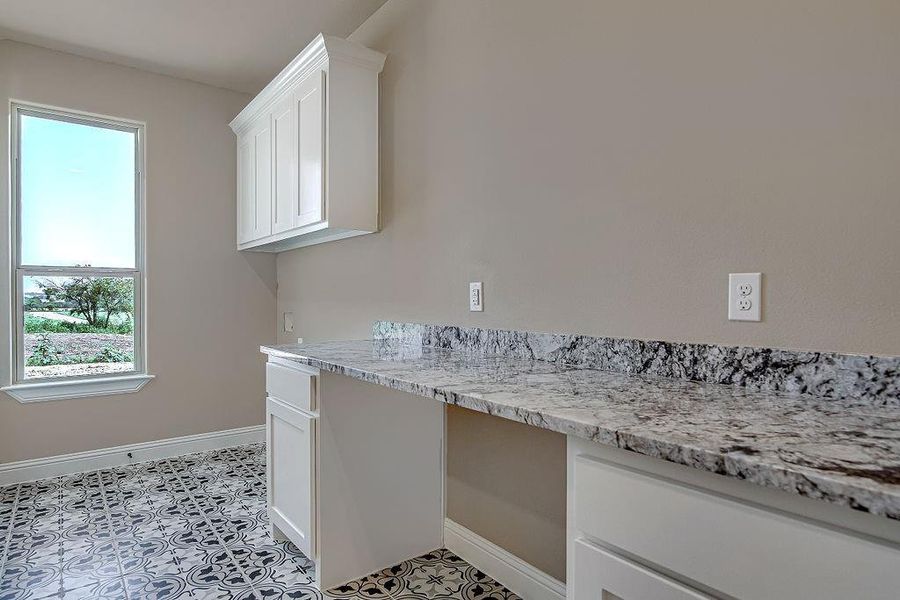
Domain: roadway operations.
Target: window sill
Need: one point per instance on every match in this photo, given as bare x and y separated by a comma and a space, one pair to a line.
43, 391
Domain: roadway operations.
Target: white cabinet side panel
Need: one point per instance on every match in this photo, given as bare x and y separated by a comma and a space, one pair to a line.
352, 163
380, 478
245, 189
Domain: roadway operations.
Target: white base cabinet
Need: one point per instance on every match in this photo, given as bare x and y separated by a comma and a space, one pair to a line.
356, 480
291, 454
307, 150
355, 471
644, 529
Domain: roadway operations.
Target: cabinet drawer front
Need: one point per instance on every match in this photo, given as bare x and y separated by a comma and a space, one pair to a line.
602, 575
291, 386
291, 473
736, 548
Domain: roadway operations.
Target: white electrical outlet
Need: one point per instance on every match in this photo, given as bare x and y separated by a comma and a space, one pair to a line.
744, 296
288, 322
476, 297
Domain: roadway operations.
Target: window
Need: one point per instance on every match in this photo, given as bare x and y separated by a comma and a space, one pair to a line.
78, 250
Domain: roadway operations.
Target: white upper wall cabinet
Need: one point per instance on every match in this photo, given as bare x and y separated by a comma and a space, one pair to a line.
307, 150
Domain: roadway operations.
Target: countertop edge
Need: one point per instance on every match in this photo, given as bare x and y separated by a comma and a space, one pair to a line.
804, 482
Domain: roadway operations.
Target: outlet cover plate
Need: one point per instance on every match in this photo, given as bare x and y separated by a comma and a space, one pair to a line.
744, 296
476, 297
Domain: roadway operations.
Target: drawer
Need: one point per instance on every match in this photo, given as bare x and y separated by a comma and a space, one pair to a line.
725, 544
291, 385
604, 575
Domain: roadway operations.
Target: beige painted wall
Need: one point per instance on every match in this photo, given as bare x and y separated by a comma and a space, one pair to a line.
209, 306
507, 481
602, 166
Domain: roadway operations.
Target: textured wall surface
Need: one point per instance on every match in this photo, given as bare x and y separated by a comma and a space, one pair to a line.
602, 165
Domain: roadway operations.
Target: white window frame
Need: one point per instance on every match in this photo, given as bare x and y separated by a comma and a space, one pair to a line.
55, 388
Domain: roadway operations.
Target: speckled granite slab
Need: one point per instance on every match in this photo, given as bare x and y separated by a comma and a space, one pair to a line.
832, 449
850, 377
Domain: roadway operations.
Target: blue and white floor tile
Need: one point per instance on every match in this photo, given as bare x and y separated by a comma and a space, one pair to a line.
438, 575
195, 527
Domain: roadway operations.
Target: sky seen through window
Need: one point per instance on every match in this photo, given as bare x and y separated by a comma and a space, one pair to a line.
77, 194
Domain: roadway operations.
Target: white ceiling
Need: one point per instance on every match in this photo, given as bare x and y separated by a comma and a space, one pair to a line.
234, 44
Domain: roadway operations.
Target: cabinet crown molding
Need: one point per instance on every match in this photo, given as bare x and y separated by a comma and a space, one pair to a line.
322, 48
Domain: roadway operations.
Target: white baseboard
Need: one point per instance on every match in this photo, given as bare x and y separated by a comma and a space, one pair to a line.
104, 458
522, 578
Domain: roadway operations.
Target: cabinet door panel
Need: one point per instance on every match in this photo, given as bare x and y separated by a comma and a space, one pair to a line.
262, 179
284, 165
291, 440
602, 575
246, 217
309, 100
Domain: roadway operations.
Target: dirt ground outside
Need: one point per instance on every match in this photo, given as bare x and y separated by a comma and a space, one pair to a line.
80, 344
85, 344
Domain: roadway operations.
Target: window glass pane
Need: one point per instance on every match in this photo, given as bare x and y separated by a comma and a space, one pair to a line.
77, 193
78, 325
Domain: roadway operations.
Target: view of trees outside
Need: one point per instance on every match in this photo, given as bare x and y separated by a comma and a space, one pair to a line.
78, 325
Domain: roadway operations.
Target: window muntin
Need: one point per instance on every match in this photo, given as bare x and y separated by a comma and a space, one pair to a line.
78, 276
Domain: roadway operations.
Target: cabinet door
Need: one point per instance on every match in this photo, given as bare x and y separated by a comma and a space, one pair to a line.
246, 215
284, 164
309, 100
290, 469
261, 198
602, 575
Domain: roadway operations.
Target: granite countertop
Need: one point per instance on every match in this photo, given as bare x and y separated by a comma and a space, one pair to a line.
839, 452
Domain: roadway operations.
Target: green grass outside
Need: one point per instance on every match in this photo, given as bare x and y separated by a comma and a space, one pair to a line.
34, 324
112, 356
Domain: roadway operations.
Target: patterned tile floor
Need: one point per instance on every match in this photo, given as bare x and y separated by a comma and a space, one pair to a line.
188, 527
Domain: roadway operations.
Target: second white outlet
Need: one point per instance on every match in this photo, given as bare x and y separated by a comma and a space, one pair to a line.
476, 297
744, 296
